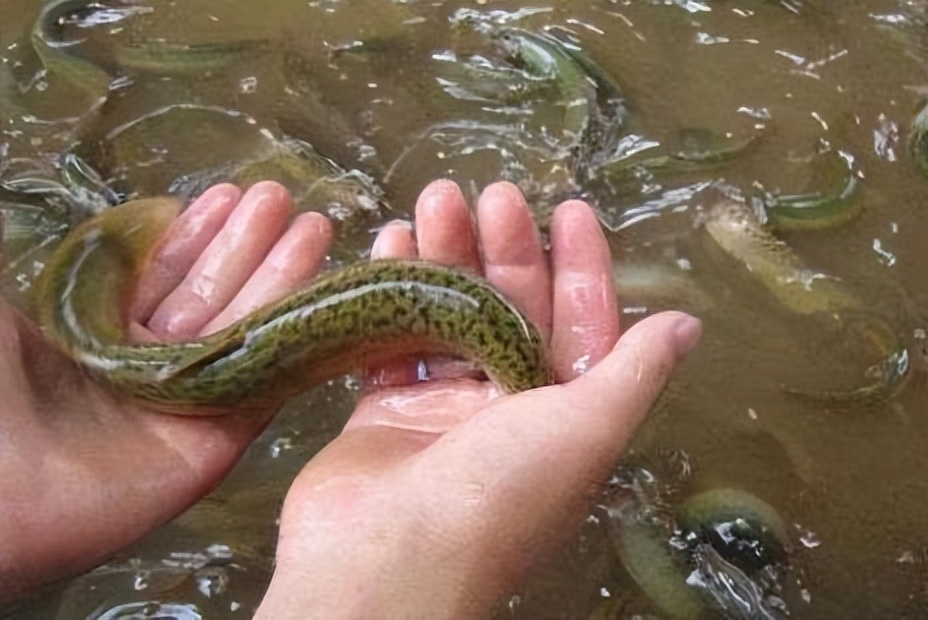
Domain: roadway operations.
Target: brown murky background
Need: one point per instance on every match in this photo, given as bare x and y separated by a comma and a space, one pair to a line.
359, 81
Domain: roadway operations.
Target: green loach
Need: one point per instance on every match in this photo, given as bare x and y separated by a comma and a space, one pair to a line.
365, 313
743, 532
918, 138
60, 58
738, 231
63, 60
186, 59
544, 59
594, 109
820, 209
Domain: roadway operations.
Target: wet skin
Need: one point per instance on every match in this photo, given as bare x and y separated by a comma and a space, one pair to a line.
345, 319
410, 457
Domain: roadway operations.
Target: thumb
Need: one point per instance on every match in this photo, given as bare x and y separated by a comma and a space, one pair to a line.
549, 450
616, 395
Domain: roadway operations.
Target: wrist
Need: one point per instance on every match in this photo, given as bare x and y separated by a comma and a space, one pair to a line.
373, 568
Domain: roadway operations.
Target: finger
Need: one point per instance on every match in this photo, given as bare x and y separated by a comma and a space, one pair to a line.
514, 260
444, 228
620, 390
395, 240
184, 241
293, 261
446, 235
585, 319
226, 264
548, 451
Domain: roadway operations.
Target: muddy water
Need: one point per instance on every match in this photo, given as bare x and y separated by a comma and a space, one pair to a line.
361, 82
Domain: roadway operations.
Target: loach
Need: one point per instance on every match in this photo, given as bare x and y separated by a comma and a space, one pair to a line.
739, 232
726, 545
366, 313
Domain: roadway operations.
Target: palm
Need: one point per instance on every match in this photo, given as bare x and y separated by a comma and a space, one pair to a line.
119, 469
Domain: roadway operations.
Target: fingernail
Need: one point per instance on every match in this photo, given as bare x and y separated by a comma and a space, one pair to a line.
686, 333
443, 185
377, 248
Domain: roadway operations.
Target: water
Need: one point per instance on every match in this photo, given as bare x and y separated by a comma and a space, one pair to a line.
359, 81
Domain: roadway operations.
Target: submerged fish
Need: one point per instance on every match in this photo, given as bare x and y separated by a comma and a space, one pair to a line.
742, 535
186, 59
363, 314
60, 58
544, 58
918, 138
825, 208
593, 106
643, 548
739, 232
315, 182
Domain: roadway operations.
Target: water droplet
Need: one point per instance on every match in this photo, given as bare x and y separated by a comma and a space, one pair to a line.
141, 580
151, 609
212, 581
279, 445
248, 85
581, 365
886, 257
885, 137
219, 552
366, 151
808, 538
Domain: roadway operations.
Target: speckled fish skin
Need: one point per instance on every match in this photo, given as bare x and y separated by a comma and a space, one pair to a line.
544, 57
366, 313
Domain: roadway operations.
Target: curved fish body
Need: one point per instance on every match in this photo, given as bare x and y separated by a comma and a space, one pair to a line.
681, 162
745, 529
646, 554
63, 60
738, 231
545, 58
363, 314
477, 79
594, 109
918, 138
724, 525
186, 59
59, 57
820, 209
312, 179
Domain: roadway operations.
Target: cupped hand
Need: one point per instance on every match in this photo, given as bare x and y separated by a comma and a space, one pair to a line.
438, 495
84, 473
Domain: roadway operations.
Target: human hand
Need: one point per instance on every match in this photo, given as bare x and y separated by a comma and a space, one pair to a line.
84, 473
438, 496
